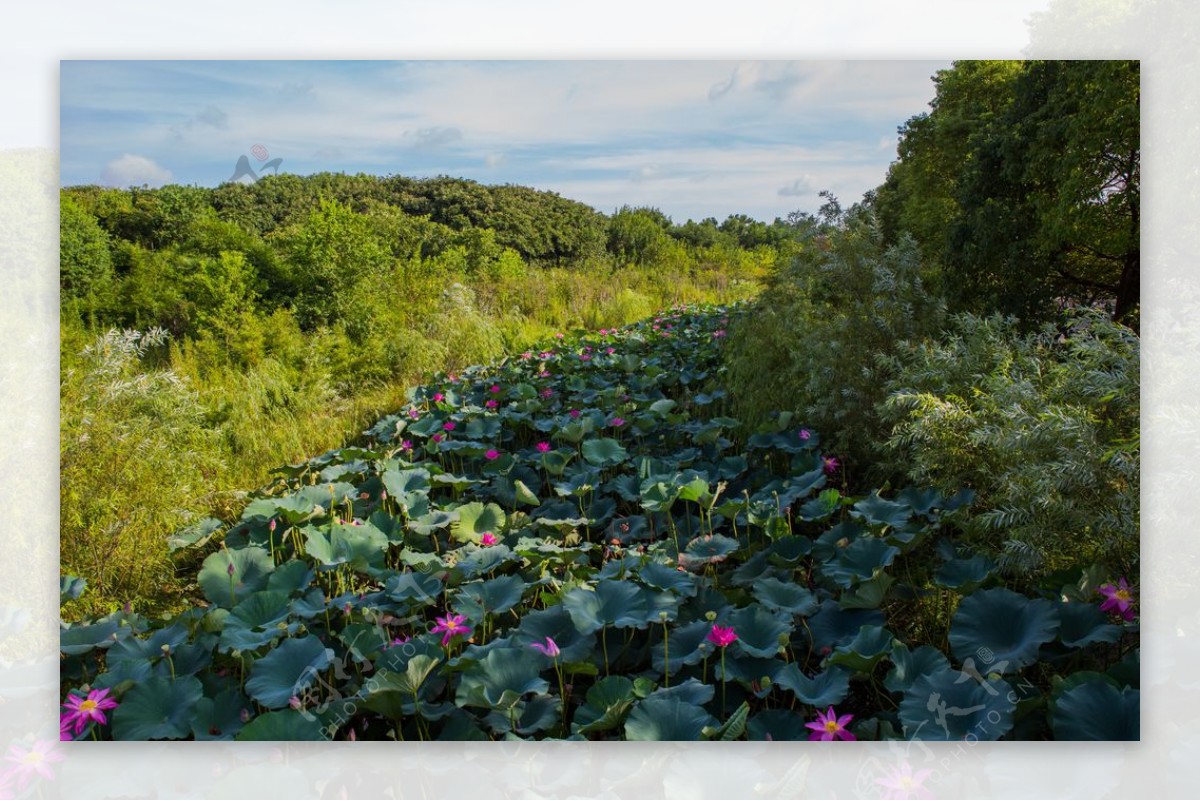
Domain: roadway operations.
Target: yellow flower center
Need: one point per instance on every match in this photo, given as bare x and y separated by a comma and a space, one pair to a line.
906, 782
1124, 595
87, 706
832, 726
34, 757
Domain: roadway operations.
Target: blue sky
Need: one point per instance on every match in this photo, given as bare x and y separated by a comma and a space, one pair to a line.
693, 138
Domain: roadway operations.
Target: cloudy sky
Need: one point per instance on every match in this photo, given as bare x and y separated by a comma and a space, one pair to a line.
695, 139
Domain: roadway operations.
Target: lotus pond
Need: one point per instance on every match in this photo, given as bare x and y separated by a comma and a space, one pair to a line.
579, 543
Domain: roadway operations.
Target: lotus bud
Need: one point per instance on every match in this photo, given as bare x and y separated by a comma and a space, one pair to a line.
230, 569
710, 616
271, 525
166, 649
244, 715
294, 702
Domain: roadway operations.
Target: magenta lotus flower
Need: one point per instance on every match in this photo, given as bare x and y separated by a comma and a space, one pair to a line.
65, 724
805, 434
413, 413
830, 464
546, 354
574, 414
828, 726
722, 636
547, 393
406, 444
396, 641
28, 762
491, 404
543, 447
488, 539
617, 422
902, 783
544, 374
526, 356
437, 438
587, 357
451, 626
610, 351
603, 332
1118, 598
491, 454
549, 648
438, 398
494, 389
448, 425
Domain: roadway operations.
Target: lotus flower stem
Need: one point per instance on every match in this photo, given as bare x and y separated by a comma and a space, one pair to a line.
666, 654
604, 646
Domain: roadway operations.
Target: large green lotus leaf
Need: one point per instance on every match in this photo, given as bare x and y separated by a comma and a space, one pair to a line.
603, 452
554, 622
1010, 626
219, 717
667, 719
493, 596
425, 525
758, 630
157, 709
876, 511
867, 594
784, 596
1128, 672
859, 560
908, 666
485, 428
288, 724
778, 725
414, 585
1084, 624
251, 569
685, 646
824, 689
869, 646
709, 548
605, 705
290, 577
352, 469
500, 679
620, 604
789, 551
360, 546
194, 535
474, 519
948, 705
79, 639
965, 575
287, 670
658, 493
1096, 710
477, 561
532, 716
661, 577
822, 506
405, 485
254, 622
833, 626
411, 682
136, 659
449, 479
661, 605
830, 544
363, 641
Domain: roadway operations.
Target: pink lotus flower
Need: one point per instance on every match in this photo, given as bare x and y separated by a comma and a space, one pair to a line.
406, 444
547, 393
448, 425
586, 357
549, 648
828, 726
720, 332
494, 389
37, 759
438, 398
546, 354
65, 724
294, 702
451, 626
453, 378
902, 783
722, 636
396, 641
610, 351
526, 356
805, 434
603, 332
830, 464
437, 438
488, 539
491, 404
558, 336
574, 414
543, 447
1118, 598
413, 413
544, 374
492, 455
617, 422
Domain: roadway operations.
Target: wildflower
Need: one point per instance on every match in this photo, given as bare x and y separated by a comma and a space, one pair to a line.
491, 404
828, 726
574, 414
438, 397
543, 447
1118, 598
448, 425
488, 539
492, 454
830, 464
902, 783
549, 648
722, 636
494, 389
451, 626
37, 759
805, 434
617, 422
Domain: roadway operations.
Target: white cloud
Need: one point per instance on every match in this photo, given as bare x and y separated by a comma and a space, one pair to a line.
800, 187
130, 170
494, 160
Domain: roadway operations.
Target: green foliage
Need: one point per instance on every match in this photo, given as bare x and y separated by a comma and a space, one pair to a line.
814, 340
1043, 426
85, 263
